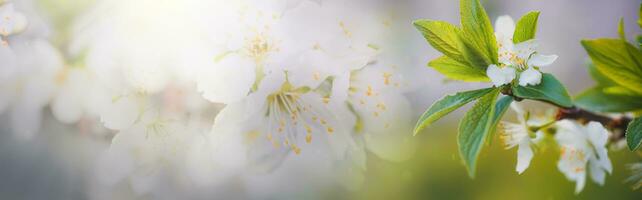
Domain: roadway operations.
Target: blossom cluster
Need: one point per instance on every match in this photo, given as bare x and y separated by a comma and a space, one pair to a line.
205, 90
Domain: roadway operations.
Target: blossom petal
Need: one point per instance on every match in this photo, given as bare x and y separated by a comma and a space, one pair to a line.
530, 77
597, 173
597, 134
540, 60
524, 156
525, 49
505, 25
227, 81
580, 182
500, 76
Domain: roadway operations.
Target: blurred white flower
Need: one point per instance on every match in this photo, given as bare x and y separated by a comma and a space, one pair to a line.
76, 90
29, 69
11, 21
523, 56
280, 118
636, 175
376, 95
582, 145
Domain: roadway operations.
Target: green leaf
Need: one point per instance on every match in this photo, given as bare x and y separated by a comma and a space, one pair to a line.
473, 53
599, 77
500, 109
617, 60
550, 90
477, 35
474, 128
634, 134
595, 99
526, 28
446, 105
458, 71
620, 29
442, 36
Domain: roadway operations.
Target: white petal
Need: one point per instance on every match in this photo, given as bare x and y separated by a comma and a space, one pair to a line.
530, 77
120, 114
580, 182
227, 81
340, 87
500, 76
525, 49
540, 60
597, 134
597, 173
505, 25
66, 108
524, 156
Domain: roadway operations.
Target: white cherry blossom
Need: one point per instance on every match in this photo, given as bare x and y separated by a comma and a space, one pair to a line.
583, 149
522, 57
524, 135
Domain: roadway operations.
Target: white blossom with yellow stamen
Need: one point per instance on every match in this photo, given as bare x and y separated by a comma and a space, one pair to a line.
153, 150
376, 93
582, 149
280, 118
516, 60
339, 42
524, 135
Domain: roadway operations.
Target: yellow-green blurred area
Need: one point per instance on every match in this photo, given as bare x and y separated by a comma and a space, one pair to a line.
436, 170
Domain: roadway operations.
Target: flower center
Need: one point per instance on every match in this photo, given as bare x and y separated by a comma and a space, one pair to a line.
259, 46
290, 113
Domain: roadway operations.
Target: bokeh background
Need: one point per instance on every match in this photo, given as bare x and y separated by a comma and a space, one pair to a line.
57, 164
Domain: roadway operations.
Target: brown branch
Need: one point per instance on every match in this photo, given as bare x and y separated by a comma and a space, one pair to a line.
616, 124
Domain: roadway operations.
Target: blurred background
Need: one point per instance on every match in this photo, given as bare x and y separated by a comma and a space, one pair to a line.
59, 166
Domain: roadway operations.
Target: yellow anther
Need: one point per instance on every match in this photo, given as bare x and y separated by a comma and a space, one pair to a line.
386, 78
326, 100
369, 91
330, 130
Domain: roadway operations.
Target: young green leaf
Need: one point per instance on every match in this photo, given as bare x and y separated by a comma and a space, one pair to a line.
477, 32
500, 109
617, 60
640, 16
634, 134
458, 71
595, 99
474, 128
620, 30
550, 90
442, 36
473, 53
446, 105
526, 28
